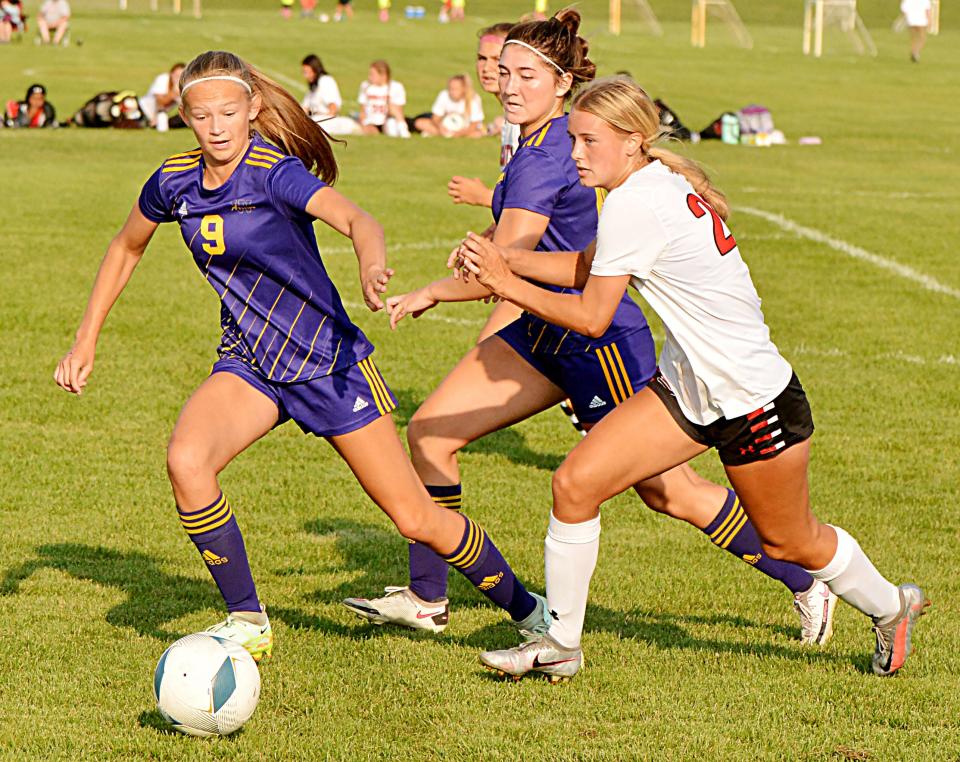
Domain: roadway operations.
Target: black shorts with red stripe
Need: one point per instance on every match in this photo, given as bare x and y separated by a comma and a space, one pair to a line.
762, 434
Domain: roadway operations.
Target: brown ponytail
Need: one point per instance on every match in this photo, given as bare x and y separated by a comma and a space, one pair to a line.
558, 39
623, 104
281, 119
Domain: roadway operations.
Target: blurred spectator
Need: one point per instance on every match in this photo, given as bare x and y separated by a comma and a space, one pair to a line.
33, 111
54, 17
381, 101
307, 8
11, 19
322, 101
917, 14
344, 8
163, 95
456, 113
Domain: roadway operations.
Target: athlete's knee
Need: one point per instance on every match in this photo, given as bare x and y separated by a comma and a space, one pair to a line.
427, 440
573, 499
187, 461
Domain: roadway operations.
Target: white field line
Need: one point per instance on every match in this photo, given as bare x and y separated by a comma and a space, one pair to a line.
904, 271
868, 194
442, 246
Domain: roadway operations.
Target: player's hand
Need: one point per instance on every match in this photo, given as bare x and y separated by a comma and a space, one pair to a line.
415, 304
468, 190
485, 260
74, 369
455, 263
374, 282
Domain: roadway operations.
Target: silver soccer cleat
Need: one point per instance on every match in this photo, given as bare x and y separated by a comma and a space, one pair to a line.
541, 654
402, 607
893, 637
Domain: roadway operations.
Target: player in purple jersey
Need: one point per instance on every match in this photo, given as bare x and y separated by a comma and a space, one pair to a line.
723, 383
245, 202
533, 364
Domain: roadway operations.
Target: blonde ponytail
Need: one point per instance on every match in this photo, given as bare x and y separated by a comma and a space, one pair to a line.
623, 104
281, 119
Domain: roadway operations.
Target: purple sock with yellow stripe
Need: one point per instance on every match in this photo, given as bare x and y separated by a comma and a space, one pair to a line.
215, 532
478, 559
732, 531
428, 570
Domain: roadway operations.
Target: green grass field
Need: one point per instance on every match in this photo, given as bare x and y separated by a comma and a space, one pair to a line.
690, 654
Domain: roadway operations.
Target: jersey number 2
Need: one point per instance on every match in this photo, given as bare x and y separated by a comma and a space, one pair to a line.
211, 228
699, 207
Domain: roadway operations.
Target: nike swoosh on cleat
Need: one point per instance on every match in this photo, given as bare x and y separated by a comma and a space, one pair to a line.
429, 614
538, 663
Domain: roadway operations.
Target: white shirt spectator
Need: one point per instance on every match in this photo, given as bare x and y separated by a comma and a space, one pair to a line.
916, 12
317, 102
148, 102
444, 105
376, 98
53, 11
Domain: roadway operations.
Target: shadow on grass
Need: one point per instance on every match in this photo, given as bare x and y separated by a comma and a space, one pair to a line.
376, 554
153, 596
507, 443
155, 721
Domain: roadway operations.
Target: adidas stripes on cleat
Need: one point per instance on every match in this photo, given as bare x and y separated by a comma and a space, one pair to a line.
256, 639
402, 607
893, 636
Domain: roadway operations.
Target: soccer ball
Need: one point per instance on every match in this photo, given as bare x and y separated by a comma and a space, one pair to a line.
453, 122
324, 18
206, 685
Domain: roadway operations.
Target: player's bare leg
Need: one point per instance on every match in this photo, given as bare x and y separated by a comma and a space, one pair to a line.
220, 420
376, 456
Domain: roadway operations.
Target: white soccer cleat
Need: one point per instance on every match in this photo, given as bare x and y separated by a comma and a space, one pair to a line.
256, 639
542, 654
816, 607
402, 607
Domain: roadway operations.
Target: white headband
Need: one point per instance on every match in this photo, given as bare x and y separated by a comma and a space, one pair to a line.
226, 77
533, 49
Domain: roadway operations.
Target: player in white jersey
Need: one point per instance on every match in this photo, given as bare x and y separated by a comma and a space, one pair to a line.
723, 383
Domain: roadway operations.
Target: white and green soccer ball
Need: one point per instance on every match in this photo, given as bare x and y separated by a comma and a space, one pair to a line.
206, 685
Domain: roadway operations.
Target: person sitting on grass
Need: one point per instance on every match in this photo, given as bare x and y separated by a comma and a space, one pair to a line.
54, 17
33, 111
11, 19
381, 100
456, 113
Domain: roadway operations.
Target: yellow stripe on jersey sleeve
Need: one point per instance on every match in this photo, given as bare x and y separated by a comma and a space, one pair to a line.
180, 168
269, 151
543, 134
194, 152
262, 156
258, 164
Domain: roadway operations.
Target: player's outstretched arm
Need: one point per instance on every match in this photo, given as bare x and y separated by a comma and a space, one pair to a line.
365, 233
123, 255
469, 190
589, 313
451, 289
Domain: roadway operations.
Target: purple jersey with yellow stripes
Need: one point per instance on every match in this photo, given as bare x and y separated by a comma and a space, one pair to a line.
542, 177
254, 243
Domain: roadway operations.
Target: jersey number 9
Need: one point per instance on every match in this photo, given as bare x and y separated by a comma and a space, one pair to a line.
211, 228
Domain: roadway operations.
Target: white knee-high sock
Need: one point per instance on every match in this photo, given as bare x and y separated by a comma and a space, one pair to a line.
569, 558
852, 577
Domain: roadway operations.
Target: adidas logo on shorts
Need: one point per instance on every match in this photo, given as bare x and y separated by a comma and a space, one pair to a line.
360, 404
596, 402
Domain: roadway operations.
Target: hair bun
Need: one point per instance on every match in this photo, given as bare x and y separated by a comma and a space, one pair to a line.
569, 18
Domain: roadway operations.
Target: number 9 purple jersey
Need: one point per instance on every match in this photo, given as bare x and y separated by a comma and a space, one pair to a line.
254, 243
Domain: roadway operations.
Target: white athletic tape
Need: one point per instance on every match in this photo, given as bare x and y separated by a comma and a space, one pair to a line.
927, 281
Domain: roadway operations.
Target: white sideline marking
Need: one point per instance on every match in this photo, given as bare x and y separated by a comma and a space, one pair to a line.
868, 194
927, 281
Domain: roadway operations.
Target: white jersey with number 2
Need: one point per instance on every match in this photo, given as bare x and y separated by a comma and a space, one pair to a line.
718, 357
